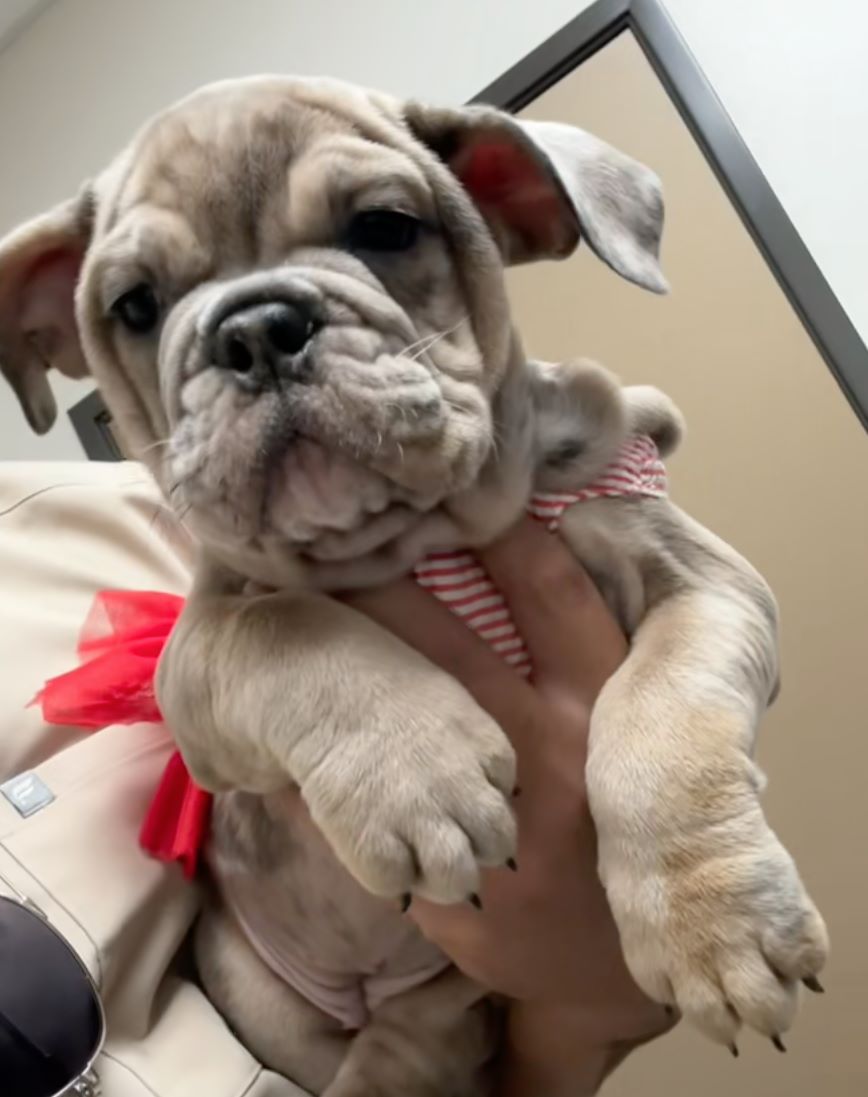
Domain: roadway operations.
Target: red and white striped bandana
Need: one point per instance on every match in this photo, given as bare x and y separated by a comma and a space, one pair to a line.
458, 579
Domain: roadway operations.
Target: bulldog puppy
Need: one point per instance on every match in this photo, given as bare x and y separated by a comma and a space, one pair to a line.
291, 294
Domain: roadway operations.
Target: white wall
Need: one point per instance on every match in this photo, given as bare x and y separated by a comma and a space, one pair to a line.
793, 76
75, 84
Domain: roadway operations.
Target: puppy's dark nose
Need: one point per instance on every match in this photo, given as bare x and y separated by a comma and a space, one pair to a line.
264, 342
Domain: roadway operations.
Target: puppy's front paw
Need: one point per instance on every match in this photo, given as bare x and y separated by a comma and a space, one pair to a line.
417, 803
718, 924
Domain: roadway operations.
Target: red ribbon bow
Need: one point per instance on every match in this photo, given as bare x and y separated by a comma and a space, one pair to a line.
119, 648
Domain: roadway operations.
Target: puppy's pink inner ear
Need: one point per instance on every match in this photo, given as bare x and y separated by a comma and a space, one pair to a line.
47, 307
48, 287
517, 195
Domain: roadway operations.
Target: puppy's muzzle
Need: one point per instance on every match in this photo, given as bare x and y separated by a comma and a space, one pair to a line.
264, 344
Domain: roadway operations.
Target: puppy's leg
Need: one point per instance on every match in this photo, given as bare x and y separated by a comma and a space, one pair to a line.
281, 1029
435, 1041
712, 913
406, 777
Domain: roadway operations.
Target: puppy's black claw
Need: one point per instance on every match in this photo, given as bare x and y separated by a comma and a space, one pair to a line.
475, 900
406, 900
669, 1011
814, 984
779, 1044
511, 864
516, 791
733, 1050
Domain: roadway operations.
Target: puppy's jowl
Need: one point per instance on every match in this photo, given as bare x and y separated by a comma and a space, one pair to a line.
291, 296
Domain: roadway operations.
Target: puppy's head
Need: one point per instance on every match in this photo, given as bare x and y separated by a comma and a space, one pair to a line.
290, 294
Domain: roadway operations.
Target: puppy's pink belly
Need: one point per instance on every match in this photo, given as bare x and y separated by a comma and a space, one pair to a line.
348, 996
341, 948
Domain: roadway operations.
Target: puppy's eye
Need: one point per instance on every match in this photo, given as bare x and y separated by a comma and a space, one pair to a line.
138, 309
565, 453
383, 230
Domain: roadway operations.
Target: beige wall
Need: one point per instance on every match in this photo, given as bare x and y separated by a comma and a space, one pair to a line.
775, 462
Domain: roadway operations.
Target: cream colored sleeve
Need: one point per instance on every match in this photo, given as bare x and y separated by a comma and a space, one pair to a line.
67, 531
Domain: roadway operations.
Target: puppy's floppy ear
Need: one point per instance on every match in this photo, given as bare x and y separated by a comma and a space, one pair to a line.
544, 186
39, 268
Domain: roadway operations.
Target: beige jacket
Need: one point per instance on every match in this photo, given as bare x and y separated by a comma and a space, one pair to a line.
66, 531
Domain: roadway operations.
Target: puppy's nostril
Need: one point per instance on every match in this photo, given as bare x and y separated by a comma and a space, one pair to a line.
238, 355
289, 331
261, 343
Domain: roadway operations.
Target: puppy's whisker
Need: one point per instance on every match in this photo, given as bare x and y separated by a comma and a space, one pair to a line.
172, 496
158, 516
436, 339
421, 341
402, 411
423, 345
423, 350
154, 445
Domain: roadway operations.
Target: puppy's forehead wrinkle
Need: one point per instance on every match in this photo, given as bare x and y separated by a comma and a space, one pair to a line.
354, 166
289, 285
225, 169
224, 158
355, 296
151, 244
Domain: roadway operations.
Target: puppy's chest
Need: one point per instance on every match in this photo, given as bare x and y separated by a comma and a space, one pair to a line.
459, 581
307, 918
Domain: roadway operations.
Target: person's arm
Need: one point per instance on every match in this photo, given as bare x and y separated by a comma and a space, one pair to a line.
549, 1052
545, 936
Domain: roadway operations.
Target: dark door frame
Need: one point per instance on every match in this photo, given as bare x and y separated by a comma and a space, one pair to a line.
739, 174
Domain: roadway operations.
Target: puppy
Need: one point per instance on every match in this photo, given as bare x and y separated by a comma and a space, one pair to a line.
291, 295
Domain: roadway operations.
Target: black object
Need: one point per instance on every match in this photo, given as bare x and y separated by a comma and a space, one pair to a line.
91, 421
51, 1019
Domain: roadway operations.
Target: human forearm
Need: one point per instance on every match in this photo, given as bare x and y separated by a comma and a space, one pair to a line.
557, 1050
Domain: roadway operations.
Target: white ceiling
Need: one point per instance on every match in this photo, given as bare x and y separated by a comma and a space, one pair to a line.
16, 13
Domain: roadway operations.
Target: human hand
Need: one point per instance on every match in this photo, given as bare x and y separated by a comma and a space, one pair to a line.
544, 936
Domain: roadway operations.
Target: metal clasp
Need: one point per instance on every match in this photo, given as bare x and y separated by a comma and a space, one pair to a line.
88, 1085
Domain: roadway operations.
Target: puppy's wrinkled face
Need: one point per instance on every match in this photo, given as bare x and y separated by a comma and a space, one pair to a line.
290, 293
298, 305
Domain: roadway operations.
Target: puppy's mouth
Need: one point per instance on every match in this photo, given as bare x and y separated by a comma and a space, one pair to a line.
315, 471
331, 506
